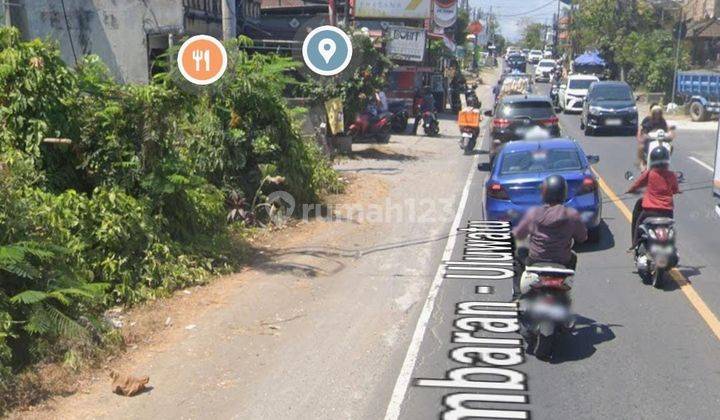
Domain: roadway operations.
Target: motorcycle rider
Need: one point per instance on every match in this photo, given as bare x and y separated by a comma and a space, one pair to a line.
551, 230
381, 100
426, 104
662, 185
370, 106
655, 121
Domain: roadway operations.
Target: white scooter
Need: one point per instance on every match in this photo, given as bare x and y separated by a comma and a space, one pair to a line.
658, 138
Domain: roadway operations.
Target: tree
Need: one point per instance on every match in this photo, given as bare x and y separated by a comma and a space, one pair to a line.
461, 25
533, 35
604, 25
630, 37
500, 43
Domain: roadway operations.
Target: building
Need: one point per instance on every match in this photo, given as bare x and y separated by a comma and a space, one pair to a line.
703, 30
128, 35
280, 20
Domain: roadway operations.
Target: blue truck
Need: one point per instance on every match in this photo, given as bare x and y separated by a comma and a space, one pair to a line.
701, 90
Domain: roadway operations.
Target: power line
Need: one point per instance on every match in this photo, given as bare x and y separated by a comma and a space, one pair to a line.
67, 27
529, 11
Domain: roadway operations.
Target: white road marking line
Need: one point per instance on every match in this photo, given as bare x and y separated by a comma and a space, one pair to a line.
701, 163
403, 380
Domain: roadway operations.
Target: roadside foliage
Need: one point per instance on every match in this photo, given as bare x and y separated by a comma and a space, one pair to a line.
137, 204
636, 38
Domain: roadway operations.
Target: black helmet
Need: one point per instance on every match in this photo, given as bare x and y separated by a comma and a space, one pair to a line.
554, 189
659, 156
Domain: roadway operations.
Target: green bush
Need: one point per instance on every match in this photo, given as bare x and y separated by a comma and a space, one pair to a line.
135, 207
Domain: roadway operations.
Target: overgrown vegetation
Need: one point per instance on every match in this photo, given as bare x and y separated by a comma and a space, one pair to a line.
137, 205
633, 37
370, 72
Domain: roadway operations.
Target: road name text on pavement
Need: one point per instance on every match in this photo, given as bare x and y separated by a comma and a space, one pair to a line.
486, 330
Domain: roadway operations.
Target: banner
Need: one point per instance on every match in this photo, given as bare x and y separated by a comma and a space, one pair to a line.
406, 43
397, 9
445, 13
336, 121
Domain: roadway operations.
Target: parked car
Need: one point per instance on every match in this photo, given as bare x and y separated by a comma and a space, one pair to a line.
609, 105
573, 92
516, 62
515, 115
534, 56
521, 166
701, 89
543, 70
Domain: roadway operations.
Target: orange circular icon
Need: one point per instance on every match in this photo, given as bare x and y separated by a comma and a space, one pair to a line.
202, 59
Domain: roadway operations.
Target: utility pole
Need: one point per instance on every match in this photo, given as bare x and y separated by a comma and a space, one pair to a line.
229, 19
6, 12
677, 55
556, 35
332, 13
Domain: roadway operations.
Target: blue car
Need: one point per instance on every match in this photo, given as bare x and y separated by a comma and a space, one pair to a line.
520, 168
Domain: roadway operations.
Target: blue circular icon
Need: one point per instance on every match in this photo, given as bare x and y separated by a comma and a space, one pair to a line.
327, 50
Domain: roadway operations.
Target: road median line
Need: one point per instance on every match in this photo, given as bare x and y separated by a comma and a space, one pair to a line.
688, 290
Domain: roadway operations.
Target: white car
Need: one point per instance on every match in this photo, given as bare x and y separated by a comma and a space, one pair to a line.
512, 50
543, 70
572, 93
547, 54
534, 56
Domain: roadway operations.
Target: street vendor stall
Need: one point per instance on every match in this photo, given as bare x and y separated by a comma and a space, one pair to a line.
589, 63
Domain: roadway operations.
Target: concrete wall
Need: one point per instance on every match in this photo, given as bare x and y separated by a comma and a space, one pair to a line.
115, 30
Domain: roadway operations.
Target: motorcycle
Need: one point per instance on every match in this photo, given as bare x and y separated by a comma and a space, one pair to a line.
455, 103
554, 94
431, 125
471, 98
654, 139
655, 252
368, 127
469, 123
544, 306
400, 116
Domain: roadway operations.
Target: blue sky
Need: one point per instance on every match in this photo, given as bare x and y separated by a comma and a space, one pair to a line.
512, 25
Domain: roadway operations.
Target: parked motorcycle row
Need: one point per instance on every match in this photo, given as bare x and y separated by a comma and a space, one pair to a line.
370, 126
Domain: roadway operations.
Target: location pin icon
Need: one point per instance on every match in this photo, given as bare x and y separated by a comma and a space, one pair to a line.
327, 49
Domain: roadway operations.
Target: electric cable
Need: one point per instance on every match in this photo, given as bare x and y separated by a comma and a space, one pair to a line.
67, 28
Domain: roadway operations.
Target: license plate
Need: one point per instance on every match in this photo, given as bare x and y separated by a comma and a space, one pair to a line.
613, 121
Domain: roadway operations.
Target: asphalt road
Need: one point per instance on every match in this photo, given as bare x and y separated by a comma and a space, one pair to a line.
636, 353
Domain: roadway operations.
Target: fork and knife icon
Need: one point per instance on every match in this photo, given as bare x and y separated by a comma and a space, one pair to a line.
198, 56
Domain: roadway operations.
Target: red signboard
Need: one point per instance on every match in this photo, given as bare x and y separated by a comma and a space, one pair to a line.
475, 27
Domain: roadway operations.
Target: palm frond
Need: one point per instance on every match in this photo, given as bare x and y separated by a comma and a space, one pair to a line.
63, 325
29, 297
